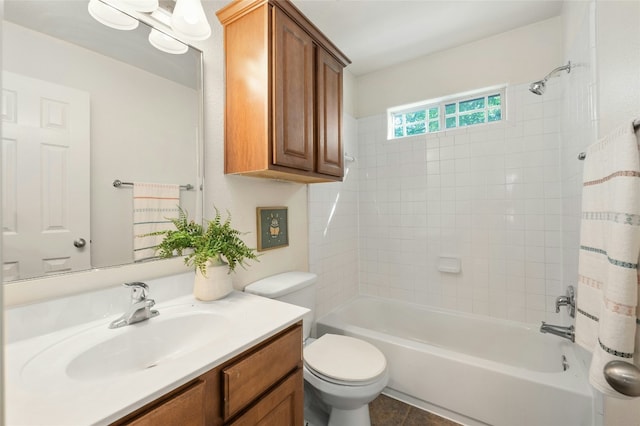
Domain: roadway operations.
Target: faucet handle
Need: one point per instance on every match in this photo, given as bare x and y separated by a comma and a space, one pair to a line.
139, 290
569, 301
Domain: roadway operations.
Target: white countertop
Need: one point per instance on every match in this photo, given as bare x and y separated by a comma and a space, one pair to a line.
56, 399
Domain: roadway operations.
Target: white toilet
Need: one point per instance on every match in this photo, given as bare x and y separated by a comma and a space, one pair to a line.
342, 374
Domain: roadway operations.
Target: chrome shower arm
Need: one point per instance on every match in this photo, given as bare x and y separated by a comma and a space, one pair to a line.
557, 70
538, 87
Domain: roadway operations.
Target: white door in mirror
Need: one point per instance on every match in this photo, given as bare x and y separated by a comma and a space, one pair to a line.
46, 136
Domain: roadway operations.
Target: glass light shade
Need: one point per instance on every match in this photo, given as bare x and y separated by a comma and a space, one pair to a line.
141, 5
166, 43
110, 16
189, 21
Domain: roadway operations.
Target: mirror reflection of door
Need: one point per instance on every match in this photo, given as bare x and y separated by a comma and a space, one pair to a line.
46, 135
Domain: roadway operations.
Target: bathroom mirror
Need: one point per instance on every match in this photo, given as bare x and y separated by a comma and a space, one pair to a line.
84, 105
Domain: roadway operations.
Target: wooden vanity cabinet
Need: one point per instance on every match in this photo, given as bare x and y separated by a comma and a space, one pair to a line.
263, 385
283, 116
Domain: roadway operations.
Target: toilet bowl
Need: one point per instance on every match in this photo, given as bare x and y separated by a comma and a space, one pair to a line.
342, 374
345, 374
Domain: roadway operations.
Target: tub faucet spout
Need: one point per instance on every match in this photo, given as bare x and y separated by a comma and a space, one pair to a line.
558, 330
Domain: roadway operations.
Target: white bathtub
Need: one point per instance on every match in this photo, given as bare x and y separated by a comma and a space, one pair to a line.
473, 368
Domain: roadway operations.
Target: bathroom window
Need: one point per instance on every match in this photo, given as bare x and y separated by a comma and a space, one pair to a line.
447, 113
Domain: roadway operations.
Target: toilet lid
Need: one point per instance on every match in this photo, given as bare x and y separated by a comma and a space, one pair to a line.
345, 358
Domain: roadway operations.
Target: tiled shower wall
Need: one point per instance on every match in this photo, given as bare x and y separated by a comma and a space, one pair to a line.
333, 231
579, 127
489, 195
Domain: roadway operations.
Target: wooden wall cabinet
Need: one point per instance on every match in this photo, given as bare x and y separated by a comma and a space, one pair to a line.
283, 116
264, 385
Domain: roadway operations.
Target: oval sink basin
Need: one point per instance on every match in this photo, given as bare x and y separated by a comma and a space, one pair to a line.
103, 353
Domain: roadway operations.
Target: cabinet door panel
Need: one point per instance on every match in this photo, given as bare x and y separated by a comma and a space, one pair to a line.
293, 94
283, 406
329, 109
246, 379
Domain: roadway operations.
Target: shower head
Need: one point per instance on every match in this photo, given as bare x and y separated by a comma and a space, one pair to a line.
538, 87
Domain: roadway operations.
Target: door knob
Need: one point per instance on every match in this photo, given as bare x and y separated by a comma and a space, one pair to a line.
80, 242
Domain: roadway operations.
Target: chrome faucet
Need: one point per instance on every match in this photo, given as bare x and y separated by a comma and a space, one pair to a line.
140, 308
558, 330
569, 301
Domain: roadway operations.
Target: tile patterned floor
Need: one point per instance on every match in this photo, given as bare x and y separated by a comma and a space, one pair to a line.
386, 411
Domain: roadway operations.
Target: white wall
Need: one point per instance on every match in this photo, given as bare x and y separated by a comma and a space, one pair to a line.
2, 314
618, 47
603, 37
350, 94
521, 55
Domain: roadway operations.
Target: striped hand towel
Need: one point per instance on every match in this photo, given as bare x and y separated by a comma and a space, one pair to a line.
606, 322
153, 203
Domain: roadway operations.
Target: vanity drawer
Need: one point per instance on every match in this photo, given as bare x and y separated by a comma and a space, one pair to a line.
182, 409
252, 375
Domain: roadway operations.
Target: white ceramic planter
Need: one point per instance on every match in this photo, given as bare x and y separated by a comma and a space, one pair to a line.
216, 285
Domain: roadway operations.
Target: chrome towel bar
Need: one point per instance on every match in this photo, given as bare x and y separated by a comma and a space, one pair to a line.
118, 183
636, 125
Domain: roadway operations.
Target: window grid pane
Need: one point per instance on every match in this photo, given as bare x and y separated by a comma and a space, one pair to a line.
471, 105
451, 122
495, 114
471, 119
416, 129
450, 109
436, 118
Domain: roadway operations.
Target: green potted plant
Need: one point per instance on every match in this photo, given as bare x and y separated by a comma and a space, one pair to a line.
214, 251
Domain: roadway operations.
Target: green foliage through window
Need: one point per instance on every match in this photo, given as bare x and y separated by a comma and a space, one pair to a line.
416, 129
471, 119
437, 117
451, 122
450, 109
471, 105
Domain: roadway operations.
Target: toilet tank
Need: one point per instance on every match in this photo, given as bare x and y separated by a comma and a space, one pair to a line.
295, 287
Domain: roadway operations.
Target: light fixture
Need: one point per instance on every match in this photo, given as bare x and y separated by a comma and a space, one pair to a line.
110, 16
166, 43
141, 5
189, 21
163, 41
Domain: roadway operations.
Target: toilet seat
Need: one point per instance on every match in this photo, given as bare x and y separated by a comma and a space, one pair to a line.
344, 360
